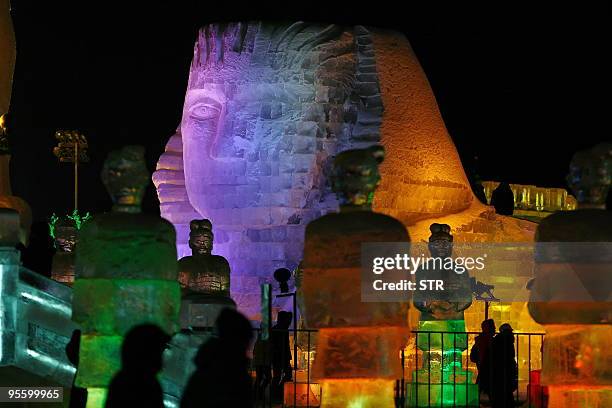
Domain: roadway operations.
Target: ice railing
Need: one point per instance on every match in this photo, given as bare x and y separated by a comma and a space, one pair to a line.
35, 321
36, 326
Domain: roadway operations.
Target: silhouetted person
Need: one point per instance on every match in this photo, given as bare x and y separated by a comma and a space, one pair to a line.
481, 354
479, 192
136, 385
281, 353
476, 181
38, 255
78, 395
502, 199
263, 367
221, 378
505, 369
609, 200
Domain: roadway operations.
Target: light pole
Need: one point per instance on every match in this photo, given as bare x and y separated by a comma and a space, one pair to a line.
72, 148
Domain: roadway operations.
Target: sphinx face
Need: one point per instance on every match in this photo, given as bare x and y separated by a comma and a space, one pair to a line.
253, 149
262, 115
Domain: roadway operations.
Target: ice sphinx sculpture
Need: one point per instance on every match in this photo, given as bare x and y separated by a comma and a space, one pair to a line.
357, 360
266, 107
126, 273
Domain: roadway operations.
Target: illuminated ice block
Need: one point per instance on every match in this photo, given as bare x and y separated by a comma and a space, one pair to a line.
138, 286
358, 393
99, 360
577, 357
577, 367
125, 271
359, 352
178, 362
127, 246
357, 359
35, 323
442, 380
119, 301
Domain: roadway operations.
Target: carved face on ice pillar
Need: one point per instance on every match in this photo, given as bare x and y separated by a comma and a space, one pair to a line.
266, 106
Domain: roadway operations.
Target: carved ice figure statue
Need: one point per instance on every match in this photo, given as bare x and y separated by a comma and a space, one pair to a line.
357, 360
266, 107
571, 295
125, 273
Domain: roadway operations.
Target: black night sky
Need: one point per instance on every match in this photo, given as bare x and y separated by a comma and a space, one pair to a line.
521, 89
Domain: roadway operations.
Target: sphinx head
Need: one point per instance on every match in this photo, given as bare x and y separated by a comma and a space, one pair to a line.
266, 106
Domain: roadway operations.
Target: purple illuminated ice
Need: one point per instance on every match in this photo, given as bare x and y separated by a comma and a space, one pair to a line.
265, 109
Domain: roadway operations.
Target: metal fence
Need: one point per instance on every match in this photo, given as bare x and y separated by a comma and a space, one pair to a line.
442, 372
437, 372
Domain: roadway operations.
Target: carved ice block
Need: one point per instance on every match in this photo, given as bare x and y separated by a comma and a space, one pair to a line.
119, 302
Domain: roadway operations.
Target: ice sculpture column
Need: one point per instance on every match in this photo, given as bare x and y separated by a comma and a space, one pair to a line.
572, 291
125, 271
357, 359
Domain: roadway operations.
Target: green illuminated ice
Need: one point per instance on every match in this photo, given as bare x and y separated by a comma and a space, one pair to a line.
125, 272
442, 381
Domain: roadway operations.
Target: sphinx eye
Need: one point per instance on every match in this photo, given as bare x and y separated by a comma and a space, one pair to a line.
204, 112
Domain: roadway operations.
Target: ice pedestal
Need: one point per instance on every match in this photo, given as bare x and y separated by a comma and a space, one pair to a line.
357, 359
358, 393
359, 352
125, 275
62, 268
113, 306
577, 366
202, 310
442, 380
